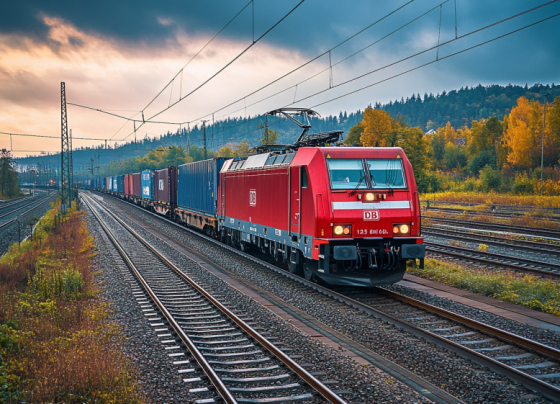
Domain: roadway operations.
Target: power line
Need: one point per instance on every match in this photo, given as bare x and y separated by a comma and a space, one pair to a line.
328, 68
306, 63
224, 67
201, 49
428, 50
438, 60
276, 80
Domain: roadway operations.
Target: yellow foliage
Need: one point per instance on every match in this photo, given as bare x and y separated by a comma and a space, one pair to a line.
482, 247
377, 125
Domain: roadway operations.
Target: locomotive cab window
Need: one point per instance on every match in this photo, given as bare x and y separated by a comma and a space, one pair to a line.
366, 173
270, 160
347, 174
386, 173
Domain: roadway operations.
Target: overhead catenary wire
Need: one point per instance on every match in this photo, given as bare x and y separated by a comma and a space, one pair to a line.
439, 60
274, 81
227, 65
326, 69
431, 49
397, 75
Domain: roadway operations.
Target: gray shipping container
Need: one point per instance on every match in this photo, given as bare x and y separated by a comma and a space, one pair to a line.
197, 185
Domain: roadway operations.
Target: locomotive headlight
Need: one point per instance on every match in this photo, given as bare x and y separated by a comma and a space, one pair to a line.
338, 230
404, 228
370, 197
346, 230
396, 229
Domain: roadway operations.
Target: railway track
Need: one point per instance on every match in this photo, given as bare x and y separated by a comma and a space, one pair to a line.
490, 227
38, 201
532, 246
501, 214
529, 266
520, 359
5, 205
240, 364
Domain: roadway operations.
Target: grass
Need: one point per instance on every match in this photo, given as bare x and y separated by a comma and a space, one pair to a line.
525, 220
56, 344
527, 291
492, 198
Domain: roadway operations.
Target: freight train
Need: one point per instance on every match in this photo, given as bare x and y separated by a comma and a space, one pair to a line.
345, 215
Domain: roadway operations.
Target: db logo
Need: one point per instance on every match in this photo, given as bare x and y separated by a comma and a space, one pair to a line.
371, 215
253, 197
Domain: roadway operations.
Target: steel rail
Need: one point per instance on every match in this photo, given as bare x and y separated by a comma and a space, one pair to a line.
462, 253
487, 213
526, 245
7, 223
497, 226
24, 206
477, 325
526, 380
311, 380
201, 360
12, 202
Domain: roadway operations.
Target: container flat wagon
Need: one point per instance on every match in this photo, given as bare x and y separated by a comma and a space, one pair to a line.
197, 194
165, 191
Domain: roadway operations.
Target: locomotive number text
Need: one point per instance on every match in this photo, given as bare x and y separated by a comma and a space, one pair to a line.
371, 232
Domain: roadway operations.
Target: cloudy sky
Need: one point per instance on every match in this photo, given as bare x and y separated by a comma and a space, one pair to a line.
118, 55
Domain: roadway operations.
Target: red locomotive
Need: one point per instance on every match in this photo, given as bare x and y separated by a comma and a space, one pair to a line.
346, 215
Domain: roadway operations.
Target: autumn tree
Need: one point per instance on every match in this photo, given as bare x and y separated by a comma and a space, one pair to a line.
242, 149
377, 126
8, 177
225, 152
448, 133
354, 135
269, 136
553, 118
524, 136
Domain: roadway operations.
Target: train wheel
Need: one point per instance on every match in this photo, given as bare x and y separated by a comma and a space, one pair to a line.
296, 269
243, 246
308, 267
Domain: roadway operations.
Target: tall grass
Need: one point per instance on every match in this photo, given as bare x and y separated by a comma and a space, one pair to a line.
55, 342
528, 291
492, 198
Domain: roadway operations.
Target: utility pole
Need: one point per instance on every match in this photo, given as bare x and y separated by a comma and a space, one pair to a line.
204, 138
266, 128
542, 145
65, 153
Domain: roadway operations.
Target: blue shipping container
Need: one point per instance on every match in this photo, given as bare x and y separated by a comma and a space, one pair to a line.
104, 183
197, 185
120, 184
148, 184
110, 185
115, 187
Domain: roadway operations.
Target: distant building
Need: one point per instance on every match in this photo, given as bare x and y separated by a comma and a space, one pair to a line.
430, 132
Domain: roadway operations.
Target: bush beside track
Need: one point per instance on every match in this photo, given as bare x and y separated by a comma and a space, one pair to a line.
55, 345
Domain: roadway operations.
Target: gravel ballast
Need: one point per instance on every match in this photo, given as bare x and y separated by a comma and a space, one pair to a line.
359, 383
460, 377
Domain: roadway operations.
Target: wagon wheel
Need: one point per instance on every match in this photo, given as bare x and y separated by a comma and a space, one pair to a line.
296, 269
308, 267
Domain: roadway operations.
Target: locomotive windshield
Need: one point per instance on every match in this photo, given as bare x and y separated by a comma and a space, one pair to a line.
366, 173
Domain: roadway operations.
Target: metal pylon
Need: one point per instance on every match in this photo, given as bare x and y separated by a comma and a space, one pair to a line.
66, 180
